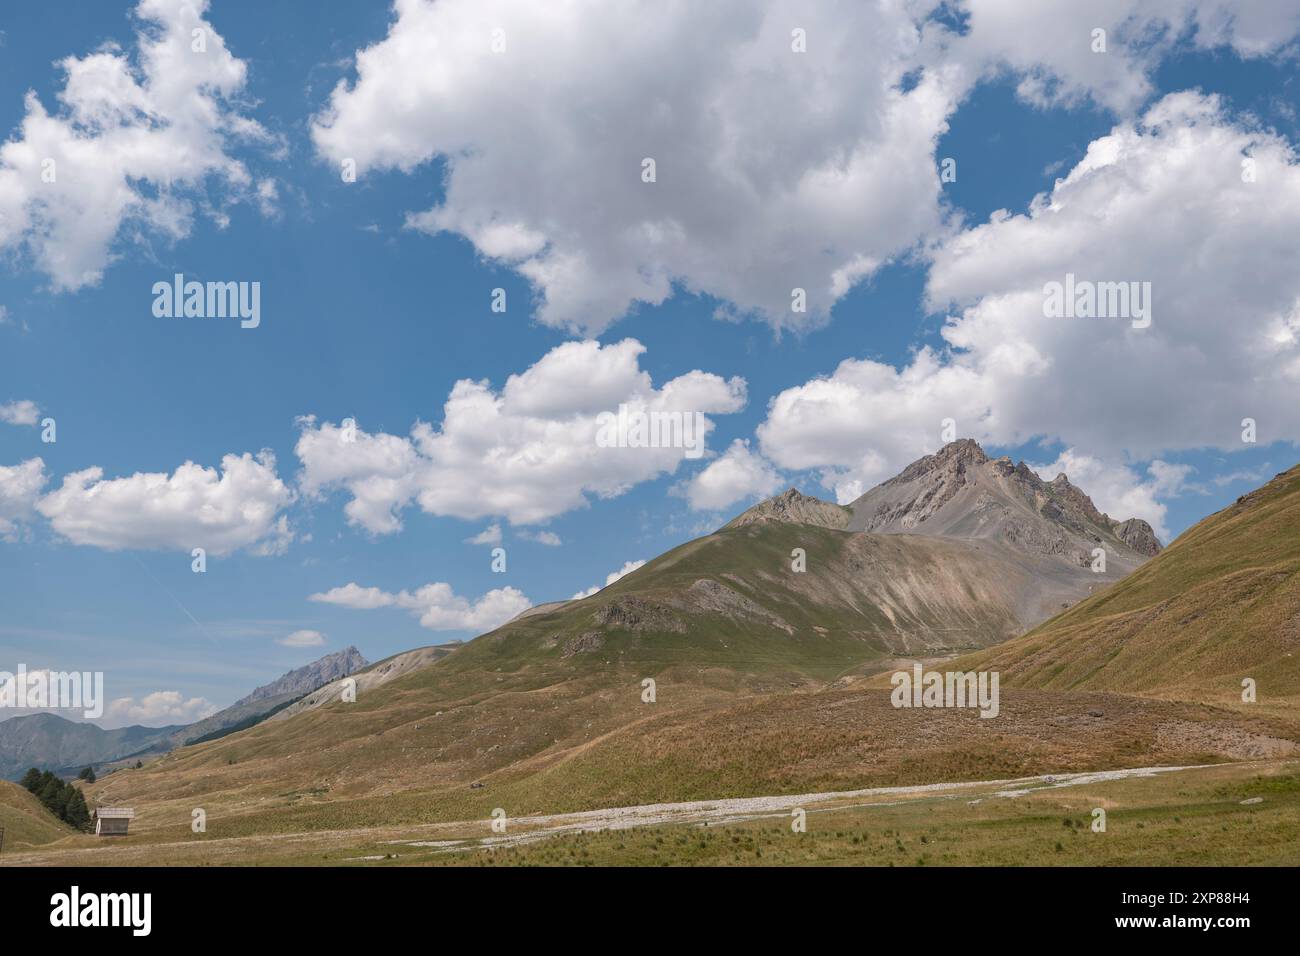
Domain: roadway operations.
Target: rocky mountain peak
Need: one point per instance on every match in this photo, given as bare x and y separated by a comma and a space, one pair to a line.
960, 492
307, 678
953, 458
963, 449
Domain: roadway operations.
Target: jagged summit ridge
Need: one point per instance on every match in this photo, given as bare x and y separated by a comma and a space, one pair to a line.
955, 457
960, 492
307, 678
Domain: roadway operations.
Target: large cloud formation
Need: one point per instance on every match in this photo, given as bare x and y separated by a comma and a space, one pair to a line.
528, 453
794, 147
194, 507
1203, 208
135, 136
775, 169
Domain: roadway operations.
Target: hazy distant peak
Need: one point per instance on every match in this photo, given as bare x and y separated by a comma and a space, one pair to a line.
305, 679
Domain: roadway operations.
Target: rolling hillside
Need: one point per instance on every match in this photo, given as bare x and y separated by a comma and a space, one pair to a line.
715, 621
718, 622
26, 823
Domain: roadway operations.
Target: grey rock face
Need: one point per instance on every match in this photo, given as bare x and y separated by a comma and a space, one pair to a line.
306, 679
1137, 534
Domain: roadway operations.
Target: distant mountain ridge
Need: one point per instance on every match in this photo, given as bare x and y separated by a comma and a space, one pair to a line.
278, 693
368, 677
51, 742
306, 679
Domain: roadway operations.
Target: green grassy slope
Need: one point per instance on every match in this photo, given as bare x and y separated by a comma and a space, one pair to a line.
862, 597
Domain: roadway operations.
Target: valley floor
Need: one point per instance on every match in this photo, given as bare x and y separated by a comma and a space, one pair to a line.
1245, 813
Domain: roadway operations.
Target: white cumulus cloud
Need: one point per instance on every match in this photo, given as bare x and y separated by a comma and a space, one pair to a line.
1050, 46
437, 606
304, 638
528, 452
20, 489
775, 169
1162, 200
740, 474
135, 136
22, 412
160, 708
489, 535
194, 507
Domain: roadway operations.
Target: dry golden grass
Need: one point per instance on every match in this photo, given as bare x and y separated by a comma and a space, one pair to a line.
25, 821
788, 743
1229, 815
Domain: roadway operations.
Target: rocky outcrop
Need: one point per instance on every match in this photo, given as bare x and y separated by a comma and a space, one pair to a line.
953, 458
1076, 509
637, 614
1139, 536
583, 643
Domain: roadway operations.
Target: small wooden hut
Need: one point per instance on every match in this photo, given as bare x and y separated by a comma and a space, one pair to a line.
113, 821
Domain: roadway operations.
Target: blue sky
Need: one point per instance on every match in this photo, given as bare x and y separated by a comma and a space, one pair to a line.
365, 317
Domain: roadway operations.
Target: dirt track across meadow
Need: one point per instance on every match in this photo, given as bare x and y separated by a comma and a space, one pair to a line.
376, 844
